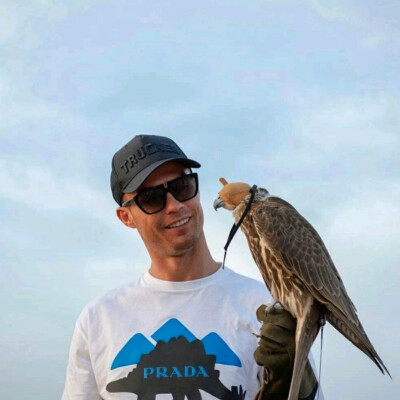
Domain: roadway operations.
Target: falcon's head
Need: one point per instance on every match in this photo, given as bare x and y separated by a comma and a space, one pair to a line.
231, 194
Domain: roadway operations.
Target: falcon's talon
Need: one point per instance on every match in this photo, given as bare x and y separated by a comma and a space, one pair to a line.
277, 306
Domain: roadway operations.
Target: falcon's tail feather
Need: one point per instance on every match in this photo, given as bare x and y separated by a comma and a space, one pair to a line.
306, 331
358, 337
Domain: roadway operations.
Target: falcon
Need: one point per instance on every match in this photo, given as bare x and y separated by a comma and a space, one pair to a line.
297, 269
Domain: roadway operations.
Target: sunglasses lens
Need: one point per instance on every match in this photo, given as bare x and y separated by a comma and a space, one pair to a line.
184, 188
151, 200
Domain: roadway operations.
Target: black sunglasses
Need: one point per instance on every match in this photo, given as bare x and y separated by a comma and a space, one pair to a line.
153, 199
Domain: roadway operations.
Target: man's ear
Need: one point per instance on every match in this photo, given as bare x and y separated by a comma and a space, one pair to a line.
125, 216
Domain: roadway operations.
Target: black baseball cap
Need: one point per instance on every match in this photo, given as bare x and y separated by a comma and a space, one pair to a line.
135, 161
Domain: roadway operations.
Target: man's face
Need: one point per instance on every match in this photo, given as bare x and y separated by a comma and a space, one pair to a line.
156, 230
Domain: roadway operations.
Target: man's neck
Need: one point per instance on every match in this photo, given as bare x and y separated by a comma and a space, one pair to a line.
193, 264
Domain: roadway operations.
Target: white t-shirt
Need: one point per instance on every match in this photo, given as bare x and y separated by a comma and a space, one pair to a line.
155, 339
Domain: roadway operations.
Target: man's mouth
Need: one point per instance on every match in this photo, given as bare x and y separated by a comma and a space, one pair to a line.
178, 223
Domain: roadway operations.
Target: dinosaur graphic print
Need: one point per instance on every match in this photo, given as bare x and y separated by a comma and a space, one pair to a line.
179, 364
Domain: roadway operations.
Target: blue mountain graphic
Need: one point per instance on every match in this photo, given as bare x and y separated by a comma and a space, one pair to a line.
130, 354
138, 345
172, 329
214, 344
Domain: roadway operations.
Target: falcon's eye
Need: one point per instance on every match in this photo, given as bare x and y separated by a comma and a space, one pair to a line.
263, 191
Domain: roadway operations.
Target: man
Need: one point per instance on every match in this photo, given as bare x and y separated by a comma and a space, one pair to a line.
184, 328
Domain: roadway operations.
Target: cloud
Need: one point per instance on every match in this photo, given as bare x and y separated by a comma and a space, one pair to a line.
42, 189
25, 25
333, 141
343, 11
374, 40
20, 114
114, 272
367, 122
8, 22
366, 226
24, 113
149, 91
376, 21
21, 21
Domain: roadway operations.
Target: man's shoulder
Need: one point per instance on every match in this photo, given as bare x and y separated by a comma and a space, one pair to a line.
244, 279
119, 295
244, 292
246, 283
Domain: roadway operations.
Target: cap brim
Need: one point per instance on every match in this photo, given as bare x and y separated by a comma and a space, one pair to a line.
142, 175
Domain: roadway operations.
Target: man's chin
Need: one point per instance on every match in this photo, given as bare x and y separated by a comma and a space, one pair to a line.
180, 248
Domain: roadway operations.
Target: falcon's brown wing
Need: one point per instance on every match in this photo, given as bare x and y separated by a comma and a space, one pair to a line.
298, 246
301, 250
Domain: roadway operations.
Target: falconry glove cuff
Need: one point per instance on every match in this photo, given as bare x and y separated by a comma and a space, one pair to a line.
276, 351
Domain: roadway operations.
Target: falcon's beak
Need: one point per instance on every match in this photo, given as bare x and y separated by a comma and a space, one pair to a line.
218, 203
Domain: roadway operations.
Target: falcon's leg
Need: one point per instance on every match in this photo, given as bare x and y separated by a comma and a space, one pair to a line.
306, 331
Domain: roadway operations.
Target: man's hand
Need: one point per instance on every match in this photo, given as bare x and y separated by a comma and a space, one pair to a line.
276, 351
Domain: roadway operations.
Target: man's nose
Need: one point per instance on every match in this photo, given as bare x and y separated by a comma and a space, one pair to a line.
172, 204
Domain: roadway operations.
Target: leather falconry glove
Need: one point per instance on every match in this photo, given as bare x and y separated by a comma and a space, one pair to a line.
276, 352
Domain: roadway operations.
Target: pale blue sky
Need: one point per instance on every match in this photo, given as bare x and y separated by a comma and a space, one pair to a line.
301, 97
